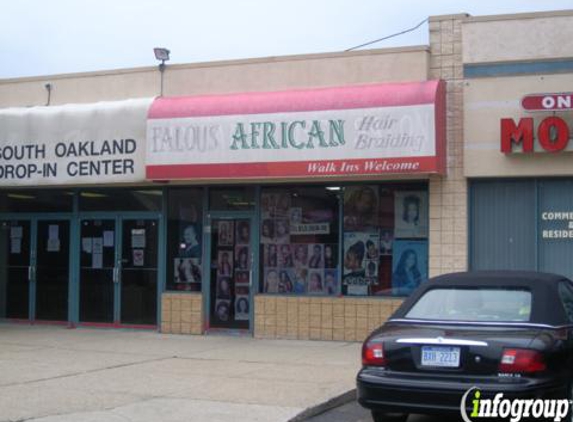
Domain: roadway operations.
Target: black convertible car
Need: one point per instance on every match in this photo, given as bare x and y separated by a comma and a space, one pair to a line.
470, 335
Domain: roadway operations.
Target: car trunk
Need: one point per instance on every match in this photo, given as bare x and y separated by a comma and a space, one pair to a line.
467, 349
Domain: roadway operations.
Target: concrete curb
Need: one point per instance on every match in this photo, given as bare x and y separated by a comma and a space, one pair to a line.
336, 401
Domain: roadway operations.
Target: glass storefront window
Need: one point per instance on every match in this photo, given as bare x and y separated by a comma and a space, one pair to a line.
46, 200
184, 239
385, 239
382, 251
299, 232
120, 199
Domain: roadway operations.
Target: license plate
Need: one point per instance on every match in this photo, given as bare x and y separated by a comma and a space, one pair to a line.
448, 357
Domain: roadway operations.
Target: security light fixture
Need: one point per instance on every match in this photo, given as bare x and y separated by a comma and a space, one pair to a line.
161, 54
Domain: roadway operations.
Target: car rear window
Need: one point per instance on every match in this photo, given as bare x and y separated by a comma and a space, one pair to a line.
475, 304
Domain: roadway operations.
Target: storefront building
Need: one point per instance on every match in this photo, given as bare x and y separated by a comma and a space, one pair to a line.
518, 127
300, 197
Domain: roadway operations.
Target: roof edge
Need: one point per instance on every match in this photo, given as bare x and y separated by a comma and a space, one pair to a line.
520, 16
221, 63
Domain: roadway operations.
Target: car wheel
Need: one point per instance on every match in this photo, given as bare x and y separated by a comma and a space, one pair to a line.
388, 417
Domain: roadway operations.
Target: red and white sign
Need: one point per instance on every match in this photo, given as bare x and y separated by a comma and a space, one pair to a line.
344, 132
552, 134
548, 102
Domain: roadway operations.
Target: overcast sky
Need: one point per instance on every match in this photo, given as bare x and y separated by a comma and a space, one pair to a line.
43, 37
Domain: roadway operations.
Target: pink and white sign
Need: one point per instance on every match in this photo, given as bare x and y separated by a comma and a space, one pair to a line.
344, 132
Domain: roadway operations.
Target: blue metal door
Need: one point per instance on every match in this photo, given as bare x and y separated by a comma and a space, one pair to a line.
502, 225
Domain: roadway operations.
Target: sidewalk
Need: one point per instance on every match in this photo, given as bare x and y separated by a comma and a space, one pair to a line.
53, 374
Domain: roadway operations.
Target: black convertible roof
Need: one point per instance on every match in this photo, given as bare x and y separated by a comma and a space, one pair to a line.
497, 278
546, 307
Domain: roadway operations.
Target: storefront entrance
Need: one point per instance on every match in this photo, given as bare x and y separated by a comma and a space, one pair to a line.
34, 269
231, 271
118, 271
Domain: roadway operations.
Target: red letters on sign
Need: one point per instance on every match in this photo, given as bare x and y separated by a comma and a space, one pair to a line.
520, 134
553, 142
552, 133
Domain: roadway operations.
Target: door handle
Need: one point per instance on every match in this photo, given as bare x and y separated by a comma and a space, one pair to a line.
30, 271
115, 274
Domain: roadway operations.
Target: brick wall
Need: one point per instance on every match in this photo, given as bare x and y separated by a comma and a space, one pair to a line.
182, 313
448, 195
320, 318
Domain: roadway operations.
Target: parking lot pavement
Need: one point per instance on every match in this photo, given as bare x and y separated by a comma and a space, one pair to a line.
53, 374
353, 412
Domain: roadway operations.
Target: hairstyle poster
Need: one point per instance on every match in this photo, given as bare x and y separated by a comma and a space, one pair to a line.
409, 265
242, 308
410, 214
187, 270
300, 254
300, 280
315, 282
223, 288
331, 282
243, 232
386, 240
190, 241
242, 257
285, 256
267, 231
281, 230
223, 310
242, 278
360, 208
271, 280
358, 247
355, 262
225, 263
226, 232
270, 256
316, 255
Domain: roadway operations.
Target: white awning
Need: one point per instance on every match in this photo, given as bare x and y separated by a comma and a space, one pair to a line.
97, 143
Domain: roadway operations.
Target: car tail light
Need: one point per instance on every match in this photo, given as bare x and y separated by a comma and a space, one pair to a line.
373, 354
521, 360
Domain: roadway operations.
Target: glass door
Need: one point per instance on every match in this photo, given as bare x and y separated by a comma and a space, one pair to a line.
138, 271
15, 269
231, 257
98, 274
51, 270
118, 271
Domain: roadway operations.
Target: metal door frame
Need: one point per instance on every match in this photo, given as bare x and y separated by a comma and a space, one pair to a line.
254, 235
34, 218
119, 218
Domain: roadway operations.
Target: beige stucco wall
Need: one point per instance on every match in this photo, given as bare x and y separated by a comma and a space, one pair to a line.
529, 36
266, 74
490, 99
